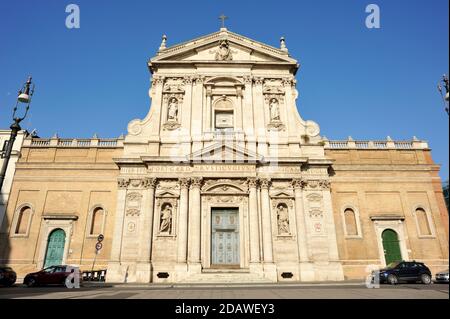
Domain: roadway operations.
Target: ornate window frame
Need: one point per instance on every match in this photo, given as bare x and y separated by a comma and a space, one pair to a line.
429, 220
91, 220
15, 221
359, 234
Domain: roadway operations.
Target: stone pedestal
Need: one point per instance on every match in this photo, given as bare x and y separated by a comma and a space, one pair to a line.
181, 272
306, 271
194, 269
270, 271
116, 273
256, 268
329, 271
143, 272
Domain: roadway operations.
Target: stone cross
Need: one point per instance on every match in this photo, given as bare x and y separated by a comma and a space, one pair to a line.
223, 18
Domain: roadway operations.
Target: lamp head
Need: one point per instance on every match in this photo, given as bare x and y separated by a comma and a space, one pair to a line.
24, 94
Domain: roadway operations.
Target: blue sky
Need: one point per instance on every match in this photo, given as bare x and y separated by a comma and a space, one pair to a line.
353, 81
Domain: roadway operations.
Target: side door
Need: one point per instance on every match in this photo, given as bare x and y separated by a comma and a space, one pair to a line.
45, 276
402, 271
59, 275
416, 271
409, 271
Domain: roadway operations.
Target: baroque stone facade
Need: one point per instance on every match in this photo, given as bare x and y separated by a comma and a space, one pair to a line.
223, 181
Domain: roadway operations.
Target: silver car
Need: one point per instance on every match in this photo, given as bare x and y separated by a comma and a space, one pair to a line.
442, 276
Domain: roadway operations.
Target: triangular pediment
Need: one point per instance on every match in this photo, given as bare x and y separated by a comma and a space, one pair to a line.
207, 47
224, 152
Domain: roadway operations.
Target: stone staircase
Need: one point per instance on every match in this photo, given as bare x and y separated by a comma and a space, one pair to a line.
221, 276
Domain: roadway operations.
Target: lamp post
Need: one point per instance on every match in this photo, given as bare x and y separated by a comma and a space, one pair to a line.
24, 97
444, 82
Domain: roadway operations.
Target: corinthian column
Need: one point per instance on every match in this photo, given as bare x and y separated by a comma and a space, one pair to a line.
114, 269
194, 222
266, 221
298, 184
183, 221
144, 268
254, 221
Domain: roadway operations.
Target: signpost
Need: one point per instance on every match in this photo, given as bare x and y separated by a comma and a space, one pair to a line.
98, 247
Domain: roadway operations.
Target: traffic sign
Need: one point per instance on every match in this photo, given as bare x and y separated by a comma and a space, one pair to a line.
98, 246
100, 238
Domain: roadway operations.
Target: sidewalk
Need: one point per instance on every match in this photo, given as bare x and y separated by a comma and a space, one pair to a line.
355, 283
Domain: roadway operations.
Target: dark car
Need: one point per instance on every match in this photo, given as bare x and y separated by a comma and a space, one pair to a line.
405, 271
54, 275
7, 276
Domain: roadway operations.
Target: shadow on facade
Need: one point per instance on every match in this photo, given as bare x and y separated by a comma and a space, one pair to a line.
5, 244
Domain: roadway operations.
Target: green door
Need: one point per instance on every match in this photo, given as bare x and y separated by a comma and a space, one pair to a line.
391, 246
225, 238
55, 248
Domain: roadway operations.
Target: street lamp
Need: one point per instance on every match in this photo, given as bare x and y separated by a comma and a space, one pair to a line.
444, 82
24, 97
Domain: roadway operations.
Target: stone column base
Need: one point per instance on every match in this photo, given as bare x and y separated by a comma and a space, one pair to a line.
116, 273
144, 272
270, 272
181, 272
194, 268
256, 268
330, 271
306, 271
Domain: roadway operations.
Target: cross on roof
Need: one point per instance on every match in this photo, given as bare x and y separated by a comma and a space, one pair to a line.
223, 18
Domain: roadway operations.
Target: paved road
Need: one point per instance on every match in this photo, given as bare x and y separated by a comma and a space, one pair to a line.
275, 291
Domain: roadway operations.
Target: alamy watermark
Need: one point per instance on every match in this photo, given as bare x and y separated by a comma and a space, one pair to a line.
73, 19
73, 279
373, 276
373, 20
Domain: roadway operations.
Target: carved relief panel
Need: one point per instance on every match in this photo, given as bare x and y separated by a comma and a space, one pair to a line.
133, 204
315, 213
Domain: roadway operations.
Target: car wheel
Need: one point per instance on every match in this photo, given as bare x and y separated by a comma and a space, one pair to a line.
392, 279
426, 279
31, 282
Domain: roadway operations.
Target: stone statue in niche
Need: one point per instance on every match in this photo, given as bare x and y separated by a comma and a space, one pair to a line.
283, 219
274, 110
224, 52
166, 219
172, 112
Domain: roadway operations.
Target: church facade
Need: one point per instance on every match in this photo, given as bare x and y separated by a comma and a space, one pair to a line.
224, 181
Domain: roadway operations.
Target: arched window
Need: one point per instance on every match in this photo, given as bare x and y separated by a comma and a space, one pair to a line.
97, 221
350, 222
23, 220
422, 222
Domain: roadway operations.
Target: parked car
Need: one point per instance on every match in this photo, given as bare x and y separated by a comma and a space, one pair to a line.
442, 277
54, 275
405, 271
7, 276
